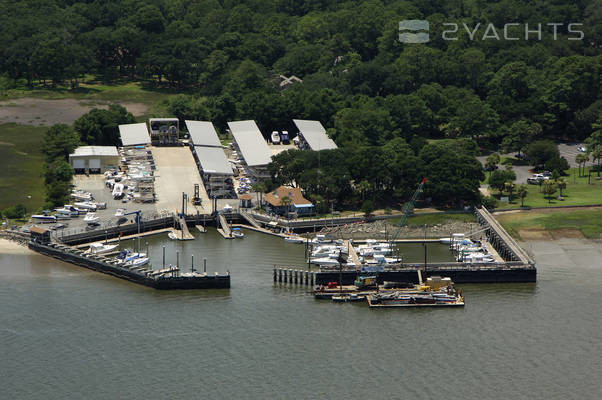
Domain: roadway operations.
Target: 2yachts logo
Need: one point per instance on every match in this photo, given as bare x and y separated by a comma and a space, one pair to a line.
510, 31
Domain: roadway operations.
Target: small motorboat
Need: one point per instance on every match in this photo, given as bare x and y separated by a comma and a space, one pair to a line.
136, 262
294, 239
237, 233
86, 205
120, 212
91, 217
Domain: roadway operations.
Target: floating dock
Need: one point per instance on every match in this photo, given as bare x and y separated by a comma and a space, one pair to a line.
168, 279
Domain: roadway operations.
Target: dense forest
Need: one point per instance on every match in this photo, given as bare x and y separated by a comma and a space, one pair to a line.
358, 79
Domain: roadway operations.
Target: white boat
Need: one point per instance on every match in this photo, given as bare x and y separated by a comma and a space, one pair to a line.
44, 219
68, 209
294, 239
85, 205
91, 217
475, 258
174, 236
325, 261
120, 212
136, 262
82, 196
320, 238
237, 233
99, 248
118, 191
275, 137
227, 208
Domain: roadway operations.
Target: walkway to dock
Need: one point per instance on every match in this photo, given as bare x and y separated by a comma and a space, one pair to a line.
223, 227
501, 233
201, 228
250, 219
184, 234
127, 237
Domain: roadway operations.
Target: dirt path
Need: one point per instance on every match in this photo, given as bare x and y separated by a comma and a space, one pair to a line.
41, 112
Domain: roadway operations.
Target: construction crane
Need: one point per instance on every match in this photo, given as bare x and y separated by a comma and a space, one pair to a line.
408, 209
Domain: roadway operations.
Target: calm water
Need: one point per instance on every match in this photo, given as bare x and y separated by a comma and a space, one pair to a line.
70, 333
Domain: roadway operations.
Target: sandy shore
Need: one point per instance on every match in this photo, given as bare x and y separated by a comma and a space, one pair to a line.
10, 247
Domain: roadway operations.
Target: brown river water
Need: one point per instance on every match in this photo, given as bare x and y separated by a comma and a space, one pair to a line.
70, 333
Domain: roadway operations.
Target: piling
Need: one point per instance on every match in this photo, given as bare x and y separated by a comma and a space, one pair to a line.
274, 274
204, 265
163, 257
279, 275
296, 277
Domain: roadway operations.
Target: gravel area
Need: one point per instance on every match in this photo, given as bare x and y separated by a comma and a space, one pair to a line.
41, 112
380, 229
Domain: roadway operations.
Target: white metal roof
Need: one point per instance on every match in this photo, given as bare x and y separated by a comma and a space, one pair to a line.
83, 151
249, 139
134, 134
151, 120
202, 133
314, 134
213, 160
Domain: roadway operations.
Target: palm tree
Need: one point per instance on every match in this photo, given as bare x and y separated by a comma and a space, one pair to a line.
581, 160
522, 193
259, 188
509, 186
549, 188
286, 202
561, 185
596, 156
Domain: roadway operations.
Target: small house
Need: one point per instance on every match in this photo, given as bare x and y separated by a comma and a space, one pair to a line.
246, 201
39, 235
287, 200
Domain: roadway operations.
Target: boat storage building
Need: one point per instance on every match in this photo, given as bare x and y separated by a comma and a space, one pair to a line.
134, 134
251, 146
312, 135
94, 159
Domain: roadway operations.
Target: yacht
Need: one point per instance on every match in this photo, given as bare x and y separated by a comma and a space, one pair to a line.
99, 248
43, 218
91, 217
86, 205
294, 239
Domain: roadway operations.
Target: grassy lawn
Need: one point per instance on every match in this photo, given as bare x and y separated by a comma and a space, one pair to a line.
434, 219
22, 160
577, 192
588, 222
96, 92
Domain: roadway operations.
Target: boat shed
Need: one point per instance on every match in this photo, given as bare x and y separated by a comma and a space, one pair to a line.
164, 131
213, 161
203, 133
313, 135
39, 235
250, 142
134, 134
94, 159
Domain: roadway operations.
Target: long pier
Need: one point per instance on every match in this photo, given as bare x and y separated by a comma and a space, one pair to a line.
168, 279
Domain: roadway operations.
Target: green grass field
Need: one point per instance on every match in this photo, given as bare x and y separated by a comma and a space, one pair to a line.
588, 222
577, 192
22, 161
96, 92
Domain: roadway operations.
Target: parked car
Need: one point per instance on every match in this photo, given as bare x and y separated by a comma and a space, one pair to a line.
582, 149
275, 137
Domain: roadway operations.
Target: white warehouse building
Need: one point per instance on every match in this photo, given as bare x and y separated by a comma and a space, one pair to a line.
94, 159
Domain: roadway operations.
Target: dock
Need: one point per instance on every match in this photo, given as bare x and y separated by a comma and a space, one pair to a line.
127, 237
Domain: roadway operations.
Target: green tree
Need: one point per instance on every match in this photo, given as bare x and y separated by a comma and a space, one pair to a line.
520, 134
15, 212
541, 151
596, 156
549, 188
101, 127
581, 160
522, 194
367, 208
58, 142
286, 202
499, 178
491, 162
561, 185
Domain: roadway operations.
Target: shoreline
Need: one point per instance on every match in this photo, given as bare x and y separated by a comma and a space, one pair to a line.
11, 247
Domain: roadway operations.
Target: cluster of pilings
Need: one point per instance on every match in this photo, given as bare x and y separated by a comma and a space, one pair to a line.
294, 276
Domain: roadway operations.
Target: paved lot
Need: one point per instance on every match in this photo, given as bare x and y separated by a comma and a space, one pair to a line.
176, 172
567, 150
